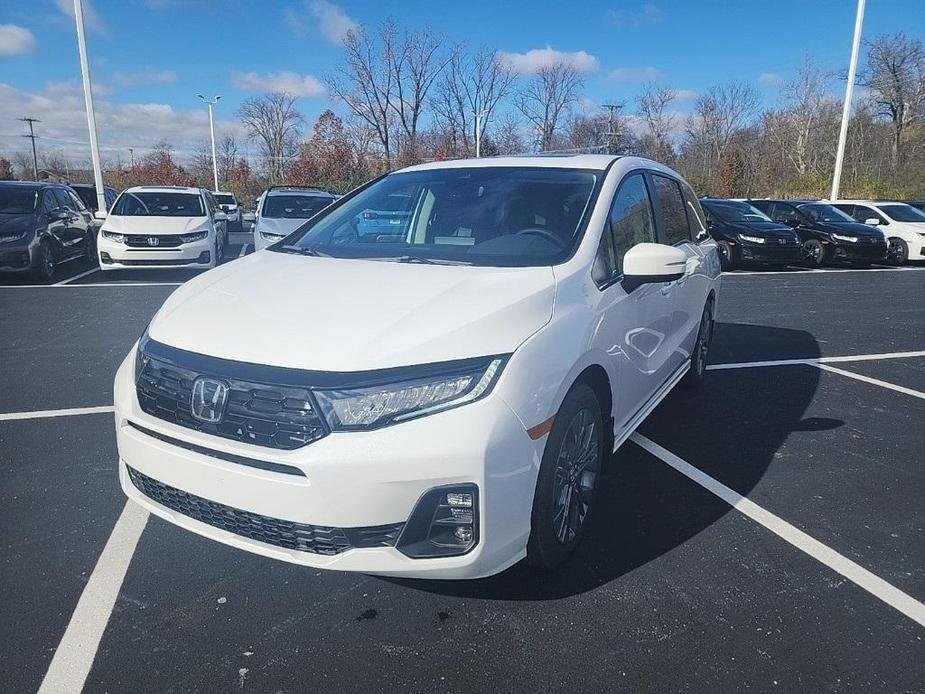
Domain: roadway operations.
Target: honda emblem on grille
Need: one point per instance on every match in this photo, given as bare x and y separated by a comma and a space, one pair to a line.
153, 241
782, 241
208, 399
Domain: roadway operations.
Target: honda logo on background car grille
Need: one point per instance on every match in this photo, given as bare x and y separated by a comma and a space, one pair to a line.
153, 241
208, 399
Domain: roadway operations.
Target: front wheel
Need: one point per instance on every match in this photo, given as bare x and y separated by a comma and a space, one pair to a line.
814, 253
44, 269
90, 250
726, 256
567, 482
898, 252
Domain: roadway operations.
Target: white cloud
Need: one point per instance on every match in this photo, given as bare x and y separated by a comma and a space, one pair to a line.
331, 20
285, 81
15, 40
634, 74
60, 107
646, 14
92, 19
770, 79
144, 78
684, 94
532, 61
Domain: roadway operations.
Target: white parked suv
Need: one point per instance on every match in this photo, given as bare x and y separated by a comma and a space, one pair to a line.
228, 203
902, 224
162, 227
283, 209
435, 401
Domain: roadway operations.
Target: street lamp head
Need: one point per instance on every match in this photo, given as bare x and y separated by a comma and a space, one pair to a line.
201, 97
218, 97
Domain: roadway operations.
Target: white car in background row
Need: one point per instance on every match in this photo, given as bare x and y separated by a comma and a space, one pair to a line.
229, 204
162, 227
902, 224
436, 401
283, 209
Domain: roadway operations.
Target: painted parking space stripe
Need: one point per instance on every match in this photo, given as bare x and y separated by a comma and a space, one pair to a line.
817, 360
243, 252
827, 271
872, 381
74, 656
857, 574
91, 284
76, 277
45, 414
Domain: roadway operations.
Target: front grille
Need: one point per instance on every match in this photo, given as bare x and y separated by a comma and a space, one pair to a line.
160, 261
163, 241
300, 537
275, 416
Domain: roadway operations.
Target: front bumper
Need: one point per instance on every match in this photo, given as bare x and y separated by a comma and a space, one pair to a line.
355, 480
859, 252
770, 253
16, 258
119, 256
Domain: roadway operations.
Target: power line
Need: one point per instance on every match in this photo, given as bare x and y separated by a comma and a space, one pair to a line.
31, 136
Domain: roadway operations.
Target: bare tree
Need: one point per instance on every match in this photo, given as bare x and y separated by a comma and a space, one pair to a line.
508, 136
718, 115
275, 123
226, 155
652, 108
385, 80
471, 84
895, 76
548, 96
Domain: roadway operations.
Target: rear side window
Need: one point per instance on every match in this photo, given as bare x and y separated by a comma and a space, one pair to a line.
671, 204
49, 202
62, 198
862, 214
785, 214
630, 222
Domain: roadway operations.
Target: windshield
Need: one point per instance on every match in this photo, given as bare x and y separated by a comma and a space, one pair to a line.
731, 211
88, 195
294, 206
819, 212
225, 199
18, 200
490, 216
903, 213
166, 204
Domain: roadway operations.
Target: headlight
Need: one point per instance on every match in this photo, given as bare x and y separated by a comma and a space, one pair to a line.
271, 237
380, 405
841, 237
195, 236
118, 238
751, 239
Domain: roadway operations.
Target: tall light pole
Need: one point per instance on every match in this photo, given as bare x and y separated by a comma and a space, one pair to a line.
849, 93
479, 115
211, 102
88, 100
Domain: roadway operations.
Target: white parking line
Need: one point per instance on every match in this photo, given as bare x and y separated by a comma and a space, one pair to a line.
816, 361
76, 277
43, 414
872, 381
827, 271
92, 284
75, 654
243, 250
855, 573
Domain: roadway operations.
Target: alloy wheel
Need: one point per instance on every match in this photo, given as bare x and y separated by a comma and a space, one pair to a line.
576, 475
704, 337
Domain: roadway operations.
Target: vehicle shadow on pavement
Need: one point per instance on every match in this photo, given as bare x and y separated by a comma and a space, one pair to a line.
731, 428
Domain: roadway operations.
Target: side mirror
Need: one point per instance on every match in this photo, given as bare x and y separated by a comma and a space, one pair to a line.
652, 263
58, 214
100, 214
873, 221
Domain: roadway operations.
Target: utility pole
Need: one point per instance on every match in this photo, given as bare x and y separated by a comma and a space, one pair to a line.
211, 102
131, 153
31, 136
612, 133
88, 100
849, 93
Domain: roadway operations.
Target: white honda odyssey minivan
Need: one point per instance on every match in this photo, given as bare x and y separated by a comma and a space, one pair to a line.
433, 400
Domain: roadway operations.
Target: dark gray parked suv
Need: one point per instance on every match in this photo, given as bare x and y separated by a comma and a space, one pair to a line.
41, 226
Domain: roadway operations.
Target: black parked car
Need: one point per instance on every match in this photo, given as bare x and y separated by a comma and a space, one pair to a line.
746, 235
42, 225
828, 235
87, 193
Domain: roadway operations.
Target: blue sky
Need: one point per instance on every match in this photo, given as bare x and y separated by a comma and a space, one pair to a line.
149, 58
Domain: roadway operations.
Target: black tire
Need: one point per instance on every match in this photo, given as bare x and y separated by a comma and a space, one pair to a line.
561, 479
899, 252
694, 376
814, 254
219, 249
90, 250
727, 260
44, 269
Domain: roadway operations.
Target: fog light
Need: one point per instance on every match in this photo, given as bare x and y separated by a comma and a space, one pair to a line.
105, 258
444, 522
204, 257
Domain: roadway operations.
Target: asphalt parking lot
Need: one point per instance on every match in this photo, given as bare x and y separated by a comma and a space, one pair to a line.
766, 533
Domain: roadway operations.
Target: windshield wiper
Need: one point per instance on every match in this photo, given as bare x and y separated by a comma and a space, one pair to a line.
297, 250
419, 260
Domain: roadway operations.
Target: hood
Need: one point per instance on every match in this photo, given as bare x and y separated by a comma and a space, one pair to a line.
762, 229
849, 228
279, 225
16, 224
152, 226
328, 314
